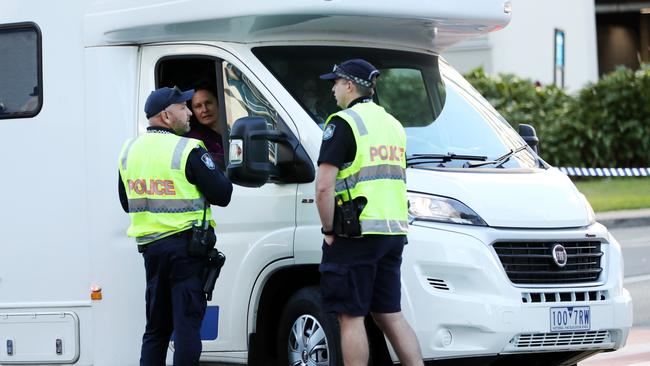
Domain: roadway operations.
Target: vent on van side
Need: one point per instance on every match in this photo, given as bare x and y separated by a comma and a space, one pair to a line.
438, 284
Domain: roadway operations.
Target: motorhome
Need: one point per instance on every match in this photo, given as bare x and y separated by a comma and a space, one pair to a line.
505, 260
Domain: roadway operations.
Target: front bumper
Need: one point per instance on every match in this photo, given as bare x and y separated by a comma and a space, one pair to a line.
461, 303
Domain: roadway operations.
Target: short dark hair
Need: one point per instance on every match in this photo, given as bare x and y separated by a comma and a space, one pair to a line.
364, 91
207, 86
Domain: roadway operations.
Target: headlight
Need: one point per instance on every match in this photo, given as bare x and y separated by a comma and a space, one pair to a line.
441, 209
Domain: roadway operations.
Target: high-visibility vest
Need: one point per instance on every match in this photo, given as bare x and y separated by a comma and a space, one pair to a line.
378, 171
161, 200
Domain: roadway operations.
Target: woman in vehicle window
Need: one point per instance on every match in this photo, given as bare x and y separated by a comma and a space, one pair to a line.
206, 127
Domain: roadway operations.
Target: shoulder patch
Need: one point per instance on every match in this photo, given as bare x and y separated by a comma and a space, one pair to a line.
207, 160
328, 132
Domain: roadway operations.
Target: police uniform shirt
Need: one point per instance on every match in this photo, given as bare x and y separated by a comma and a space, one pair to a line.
200, 170
339, 146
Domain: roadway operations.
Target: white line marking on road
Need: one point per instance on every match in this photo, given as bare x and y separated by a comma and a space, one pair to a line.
635, 279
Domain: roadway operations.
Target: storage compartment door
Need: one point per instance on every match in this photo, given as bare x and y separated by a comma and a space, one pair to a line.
40, 338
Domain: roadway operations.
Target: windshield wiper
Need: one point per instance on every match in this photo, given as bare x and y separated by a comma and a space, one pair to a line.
498, 162
415, 159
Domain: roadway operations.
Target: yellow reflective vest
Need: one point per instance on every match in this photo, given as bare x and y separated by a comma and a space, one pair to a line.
161, 200
378, 171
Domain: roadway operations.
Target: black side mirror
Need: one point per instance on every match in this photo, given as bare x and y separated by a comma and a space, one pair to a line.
249, 164
527, 132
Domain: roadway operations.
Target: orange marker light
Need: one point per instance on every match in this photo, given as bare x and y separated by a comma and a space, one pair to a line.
95, 292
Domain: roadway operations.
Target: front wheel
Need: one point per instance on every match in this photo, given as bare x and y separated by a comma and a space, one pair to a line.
307, 337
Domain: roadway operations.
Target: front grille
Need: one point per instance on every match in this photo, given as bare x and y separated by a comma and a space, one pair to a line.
533, 263
561, 339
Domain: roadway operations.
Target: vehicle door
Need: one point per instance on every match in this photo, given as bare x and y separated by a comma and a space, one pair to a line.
258, 225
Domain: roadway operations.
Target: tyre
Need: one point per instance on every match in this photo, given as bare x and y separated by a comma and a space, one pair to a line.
306, 336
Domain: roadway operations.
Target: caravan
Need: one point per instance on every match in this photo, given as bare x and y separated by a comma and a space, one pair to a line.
505, 259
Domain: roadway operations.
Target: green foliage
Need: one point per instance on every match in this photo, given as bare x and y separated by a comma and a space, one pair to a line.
613, 116
609, 194
607, 124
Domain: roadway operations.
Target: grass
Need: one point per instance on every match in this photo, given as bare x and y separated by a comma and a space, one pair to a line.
609, 194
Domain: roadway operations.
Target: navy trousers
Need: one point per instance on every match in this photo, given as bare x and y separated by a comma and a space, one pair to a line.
175, 302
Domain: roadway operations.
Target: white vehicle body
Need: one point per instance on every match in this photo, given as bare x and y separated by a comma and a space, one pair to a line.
64, 230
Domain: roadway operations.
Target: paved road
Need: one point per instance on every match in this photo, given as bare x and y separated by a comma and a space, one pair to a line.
636, 254
635, 242
636, 249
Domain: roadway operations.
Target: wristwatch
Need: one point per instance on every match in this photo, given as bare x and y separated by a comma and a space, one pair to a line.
331, 232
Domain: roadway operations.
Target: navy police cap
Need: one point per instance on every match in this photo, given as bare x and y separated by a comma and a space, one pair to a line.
356, 70
162, 98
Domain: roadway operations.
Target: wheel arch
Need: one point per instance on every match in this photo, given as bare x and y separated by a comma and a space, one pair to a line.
275, 289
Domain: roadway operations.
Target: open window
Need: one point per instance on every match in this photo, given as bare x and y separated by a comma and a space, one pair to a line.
237, 97
202, 73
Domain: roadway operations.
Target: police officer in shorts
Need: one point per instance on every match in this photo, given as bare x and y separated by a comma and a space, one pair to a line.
166, 183
362, 176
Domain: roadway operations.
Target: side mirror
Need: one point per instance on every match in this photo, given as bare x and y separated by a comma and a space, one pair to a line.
527, 132
249, 164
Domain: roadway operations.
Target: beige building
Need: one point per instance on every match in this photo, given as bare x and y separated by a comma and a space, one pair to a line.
598, 36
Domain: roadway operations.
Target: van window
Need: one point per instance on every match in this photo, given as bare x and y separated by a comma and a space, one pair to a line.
394, 85
198, 72
409, 86
21, 88
441, 113
242, 99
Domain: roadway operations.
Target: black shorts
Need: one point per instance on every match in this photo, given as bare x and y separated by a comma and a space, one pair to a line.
359, 276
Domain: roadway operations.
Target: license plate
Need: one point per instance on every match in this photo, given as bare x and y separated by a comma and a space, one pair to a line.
570, 318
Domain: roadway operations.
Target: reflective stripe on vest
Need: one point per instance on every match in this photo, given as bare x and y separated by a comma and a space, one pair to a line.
165, 206
381, 178
178, 153
393, 226
370, 173
144, 239
161, 200
125, 155
361, 127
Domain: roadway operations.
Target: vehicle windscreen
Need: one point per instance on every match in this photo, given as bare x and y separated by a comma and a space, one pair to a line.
448, 124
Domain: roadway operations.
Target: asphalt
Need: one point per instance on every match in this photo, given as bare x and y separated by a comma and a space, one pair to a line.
625, 218
636, 352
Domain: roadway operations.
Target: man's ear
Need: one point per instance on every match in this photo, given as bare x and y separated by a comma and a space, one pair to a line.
350, 86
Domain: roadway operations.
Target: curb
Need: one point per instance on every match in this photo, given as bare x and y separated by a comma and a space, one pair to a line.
625, 218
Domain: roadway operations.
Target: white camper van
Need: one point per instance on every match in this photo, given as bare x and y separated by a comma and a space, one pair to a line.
505, 262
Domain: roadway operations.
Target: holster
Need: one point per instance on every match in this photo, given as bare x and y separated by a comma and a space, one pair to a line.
216, 259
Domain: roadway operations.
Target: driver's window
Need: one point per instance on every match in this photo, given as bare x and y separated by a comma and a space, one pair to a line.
198, 73
243, 99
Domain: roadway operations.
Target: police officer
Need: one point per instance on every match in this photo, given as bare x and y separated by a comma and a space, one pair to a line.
164, 183
362, 159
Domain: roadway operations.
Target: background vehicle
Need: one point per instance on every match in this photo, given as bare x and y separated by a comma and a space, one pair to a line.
479, 279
